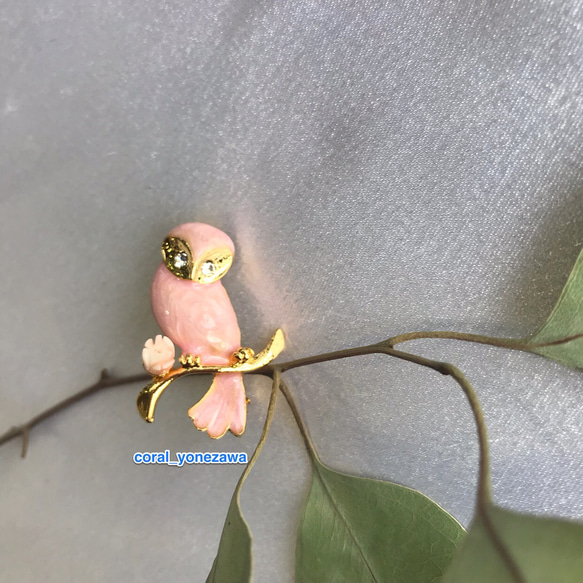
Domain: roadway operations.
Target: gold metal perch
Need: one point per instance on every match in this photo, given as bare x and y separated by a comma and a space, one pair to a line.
246, 361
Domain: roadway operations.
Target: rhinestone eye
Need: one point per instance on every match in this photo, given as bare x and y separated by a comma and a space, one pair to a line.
208, 268
180, 259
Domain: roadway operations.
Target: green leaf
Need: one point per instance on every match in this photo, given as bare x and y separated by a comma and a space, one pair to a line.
360, 530
563, 331
234, 560
544, 550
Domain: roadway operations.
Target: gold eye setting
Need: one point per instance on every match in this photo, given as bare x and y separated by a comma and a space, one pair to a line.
177, 257
213, 266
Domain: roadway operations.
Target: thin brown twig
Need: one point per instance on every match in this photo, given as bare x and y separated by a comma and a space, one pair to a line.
443, 368
522, 344
105, 382
264, 432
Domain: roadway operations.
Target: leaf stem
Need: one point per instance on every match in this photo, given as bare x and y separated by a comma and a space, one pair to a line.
444, 368
299, 422
266, 426
105, 381
243, 564
316, 467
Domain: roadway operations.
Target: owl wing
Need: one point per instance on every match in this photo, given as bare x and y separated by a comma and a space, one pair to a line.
199, 318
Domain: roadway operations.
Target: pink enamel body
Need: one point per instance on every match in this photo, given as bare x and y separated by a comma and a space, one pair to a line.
197, 317
200, 319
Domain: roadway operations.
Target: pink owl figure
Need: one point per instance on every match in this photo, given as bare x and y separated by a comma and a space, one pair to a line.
195, 313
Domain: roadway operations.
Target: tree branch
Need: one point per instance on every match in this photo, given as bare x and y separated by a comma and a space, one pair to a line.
444, 368
105, 382
484, 499
522, 344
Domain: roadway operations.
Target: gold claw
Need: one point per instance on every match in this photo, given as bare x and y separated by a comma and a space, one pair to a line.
244, 354
189, 361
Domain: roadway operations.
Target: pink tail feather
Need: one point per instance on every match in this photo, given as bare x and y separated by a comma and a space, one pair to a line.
223, 407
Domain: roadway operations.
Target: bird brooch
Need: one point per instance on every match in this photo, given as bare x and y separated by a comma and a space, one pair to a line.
195, 314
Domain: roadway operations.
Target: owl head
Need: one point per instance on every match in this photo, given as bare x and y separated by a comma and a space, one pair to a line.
198, 252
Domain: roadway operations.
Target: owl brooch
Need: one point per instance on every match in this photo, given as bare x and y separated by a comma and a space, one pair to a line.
195, 314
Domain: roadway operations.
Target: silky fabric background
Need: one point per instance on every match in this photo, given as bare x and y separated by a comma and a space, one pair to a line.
382, 167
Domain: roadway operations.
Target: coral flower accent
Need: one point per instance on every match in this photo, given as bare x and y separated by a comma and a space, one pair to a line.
158, 355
